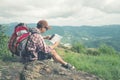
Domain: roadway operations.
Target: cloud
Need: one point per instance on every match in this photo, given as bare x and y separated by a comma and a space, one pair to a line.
61, 12
109, 6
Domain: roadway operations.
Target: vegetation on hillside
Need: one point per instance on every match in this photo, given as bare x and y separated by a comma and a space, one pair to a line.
103, 62
4, 52
102, 49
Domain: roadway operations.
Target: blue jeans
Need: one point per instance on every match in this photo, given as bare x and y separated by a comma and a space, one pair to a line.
43, 56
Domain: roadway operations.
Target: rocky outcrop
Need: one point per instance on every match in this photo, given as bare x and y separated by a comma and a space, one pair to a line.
50, 70
10, 70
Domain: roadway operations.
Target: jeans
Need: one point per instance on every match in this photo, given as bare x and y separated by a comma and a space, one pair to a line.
43, 56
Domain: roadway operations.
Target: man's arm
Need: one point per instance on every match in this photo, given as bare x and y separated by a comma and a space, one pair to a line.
55, 44
42, 45
47, 37
45, 48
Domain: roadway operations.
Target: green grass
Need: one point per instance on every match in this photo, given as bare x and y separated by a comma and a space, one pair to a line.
104, 66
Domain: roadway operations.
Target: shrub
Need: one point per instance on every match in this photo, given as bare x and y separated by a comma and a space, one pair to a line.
78, 47
105, 49
92, 51
3, 43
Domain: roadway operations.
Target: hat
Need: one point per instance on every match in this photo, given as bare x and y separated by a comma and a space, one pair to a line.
43, 23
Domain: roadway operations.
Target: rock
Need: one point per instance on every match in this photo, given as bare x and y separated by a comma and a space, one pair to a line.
50, 70
11, 71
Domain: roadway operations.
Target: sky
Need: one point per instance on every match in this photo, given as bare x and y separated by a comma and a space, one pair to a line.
61, 12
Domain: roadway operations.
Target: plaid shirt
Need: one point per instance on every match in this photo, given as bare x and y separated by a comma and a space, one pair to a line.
36, 43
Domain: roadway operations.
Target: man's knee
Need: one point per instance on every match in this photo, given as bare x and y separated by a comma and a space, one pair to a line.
53, 52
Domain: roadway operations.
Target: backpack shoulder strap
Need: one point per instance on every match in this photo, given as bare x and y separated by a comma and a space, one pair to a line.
33, 31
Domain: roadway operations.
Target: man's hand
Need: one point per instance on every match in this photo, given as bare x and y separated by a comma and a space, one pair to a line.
55, 44
47, 37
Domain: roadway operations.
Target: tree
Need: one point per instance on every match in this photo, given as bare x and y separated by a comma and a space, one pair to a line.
105, 49
78, 47
3, 42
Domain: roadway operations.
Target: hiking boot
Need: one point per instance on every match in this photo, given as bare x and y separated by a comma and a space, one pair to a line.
68, 66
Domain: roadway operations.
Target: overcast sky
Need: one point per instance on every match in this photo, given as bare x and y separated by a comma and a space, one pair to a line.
61, 12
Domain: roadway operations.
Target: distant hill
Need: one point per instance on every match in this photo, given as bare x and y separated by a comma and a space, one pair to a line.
91, 36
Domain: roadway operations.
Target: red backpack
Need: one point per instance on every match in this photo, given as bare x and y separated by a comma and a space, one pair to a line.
18, 40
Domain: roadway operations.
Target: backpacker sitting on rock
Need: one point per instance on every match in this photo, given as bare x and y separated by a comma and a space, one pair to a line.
37, 48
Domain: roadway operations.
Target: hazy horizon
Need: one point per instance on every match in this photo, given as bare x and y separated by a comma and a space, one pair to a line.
65, 25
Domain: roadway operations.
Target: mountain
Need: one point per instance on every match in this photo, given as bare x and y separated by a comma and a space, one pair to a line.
91, 36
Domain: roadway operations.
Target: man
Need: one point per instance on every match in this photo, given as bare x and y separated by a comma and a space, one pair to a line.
36, 45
